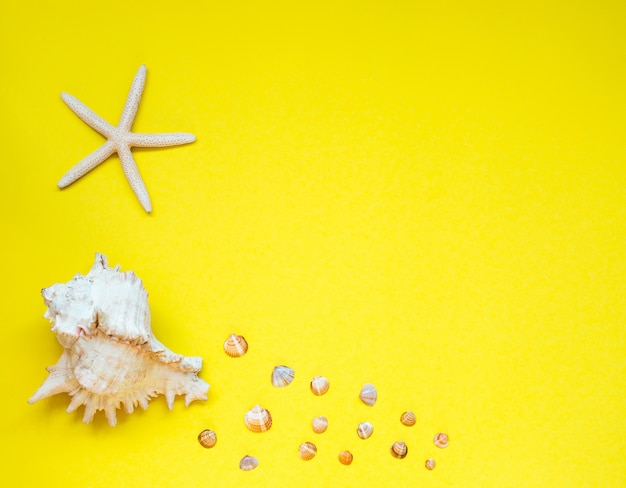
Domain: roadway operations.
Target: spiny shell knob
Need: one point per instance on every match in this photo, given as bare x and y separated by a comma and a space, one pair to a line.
399, 450
441, 440
282, 376
248, 463
319, 424
368, 394
364, 430
207, 438
258, 419
307, 450
345, 457
430, 464
319, 385
235, 346
408, 419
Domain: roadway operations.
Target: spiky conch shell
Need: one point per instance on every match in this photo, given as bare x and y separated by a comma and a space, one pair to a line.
111, 357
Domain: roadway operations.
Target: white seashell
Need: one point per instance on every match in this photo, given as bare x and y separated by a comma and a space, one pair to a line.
345, 457
364, 430
282, 376
207, 438
368, 394
319, 424
257, 419
110, 357
319, 385
248, 463
307, 451
235, 346
399, 450
408, 419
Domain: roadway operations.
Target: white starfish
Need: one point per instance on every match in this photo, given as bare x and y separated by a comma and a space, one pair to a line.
120, 139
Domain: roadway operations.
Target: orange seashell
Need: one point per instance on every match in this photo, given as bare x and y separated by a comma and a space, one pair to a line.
319, 385
319, 424
258, 419
430, 464
307, 450
345, 457
235, 346
399, 450
408, 419
207, 438
441, 440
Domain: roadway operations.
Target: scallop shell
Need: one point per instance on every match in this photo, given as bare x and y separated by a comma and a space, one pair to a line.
235, 346
364, 430
307, 450
368, 394
319, 424
207, 438
248, 463
408, 418
430, 464
441, 440
319, 385
399, 450
258, 419
110, 356
282, 376
345, 457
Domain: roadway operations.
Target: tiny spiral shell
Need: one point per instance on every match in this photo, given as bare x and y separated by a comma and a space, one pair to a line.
441, 440
368, 394
235, 346
207, 438
307, 450
319, 424
364, 430
408, 418
399, 450
258, 419
345, 457
319, 385
430, 464
248, 463
282, 376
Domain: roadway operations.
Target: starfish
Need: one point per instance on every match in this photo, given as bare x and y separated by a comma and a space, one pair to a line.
120, 139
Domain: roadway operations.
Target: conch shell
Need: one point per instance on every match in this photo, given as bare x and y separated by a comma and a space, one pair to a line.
110, 357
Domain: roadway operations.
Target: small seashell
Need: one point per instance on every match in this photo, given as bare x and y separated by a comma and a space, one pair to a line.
408, 418
319, 385
364, 430
207, 438
430, 464
368, 394
399, 450
248, 463
441, 440
319, 424
345, 457
235, 346
257, 419
282, 376
307, 451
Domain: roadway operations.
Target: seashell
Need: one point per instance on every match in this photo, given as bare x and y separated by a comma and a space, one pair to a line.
307, 450
399, 450
319, 424
345, 457
235, 346
207, 438
248, 463
319, 385
368, 394
430, 464
441, 440
110, 356
364, 430
408, 418
282, 376
257, 419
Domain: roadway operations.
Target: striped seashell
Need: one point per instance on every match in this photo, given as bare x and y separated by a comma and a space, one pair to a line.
235, 346
430, 464
319, 424
345, 457
207, 438
364, 430
319, 385
307, 450
399, 450
441, 440
368, 394
408, 419
282, 376
248, 463
258, 419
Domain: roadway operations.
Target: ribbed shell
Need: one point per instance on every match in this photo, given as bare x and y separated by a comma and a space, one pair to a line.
282, 376
207, 438
319, 385
430, 464
235, 346
364, 430
345, 457
368, 394
307, 450
399, 450
248, 463
408, 419
258, 419
441, 440
319, 424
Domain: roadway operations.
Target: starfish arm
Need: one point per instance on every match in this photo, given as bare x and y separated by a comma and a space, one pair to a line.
88, 116
160, 140
87, 164
134, 178
132, 102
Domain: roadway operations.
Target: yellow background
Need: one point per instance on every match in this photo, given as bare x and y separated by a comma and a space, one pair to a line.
428, 196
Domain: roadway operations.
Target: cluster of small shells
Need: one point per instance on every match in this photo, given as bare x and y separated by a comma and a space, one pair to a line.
258, 419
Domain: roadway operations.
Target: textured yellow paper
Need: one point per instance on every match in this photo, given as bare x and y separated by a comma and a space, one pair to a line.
427, 196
